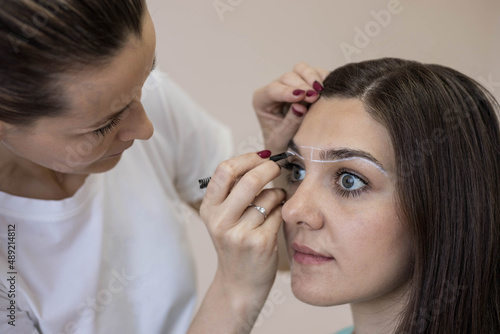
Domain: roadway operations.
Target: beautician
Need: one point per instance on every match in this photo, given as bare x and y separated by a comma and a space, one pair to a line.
92, 239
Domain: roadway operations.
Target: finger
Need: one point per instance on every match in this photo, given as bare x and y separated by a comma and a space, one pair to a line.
292, 119
275, 93
265, 235
268, 199
226, 174
294, 79
271, 225
247, 188
309, 74
322, 73
313, 95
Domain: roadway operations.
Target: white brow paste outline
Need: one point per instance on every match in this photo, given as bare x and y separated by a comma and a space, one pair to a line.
383, 171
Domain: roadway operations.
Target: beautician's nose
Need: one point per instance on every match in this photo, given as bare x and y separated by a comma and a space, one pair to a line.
304, 207
138, 126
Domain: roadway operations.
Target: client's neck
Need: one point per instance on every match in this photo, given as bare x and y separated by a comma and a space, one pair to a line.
380, 315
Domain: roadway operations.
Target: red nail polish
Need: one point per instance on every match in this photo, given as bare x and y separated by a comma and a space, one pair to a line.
264, 154
311, 93
297, 113
298, 92
317, 86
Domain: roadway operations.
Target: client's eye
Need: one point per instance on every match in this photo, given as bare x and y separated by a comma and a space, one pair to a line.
349, 184
297, 173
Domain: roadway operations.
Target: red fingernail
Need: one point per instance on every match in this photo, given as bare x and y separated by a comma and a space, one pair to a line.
264, 154
297, 113
311, 93
317, 86
298, 92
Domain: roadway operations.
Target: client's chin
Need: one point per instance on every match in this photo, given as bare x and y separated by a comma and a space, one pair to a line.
313, 293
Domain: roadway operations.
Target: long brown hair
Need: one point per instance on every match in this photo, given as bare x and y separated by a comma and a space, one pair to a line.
445, 131
42, 39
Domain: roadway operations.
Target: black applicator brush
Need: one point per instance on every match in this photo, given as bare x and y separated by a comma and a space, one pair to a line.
204, 182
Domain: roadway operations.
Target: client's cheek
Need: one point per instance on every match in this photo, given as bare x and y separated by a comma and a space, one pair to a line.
289, 233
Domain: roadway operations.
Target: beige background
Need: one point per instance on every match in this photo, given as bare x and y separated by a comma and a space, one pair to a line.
220, 58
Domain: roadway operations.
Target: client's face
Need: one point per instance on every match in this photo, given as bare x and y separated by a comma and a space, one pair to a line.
345, 241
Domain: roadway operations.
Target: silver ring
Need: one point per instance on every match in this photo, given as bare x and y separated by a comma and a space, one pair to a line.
260, 209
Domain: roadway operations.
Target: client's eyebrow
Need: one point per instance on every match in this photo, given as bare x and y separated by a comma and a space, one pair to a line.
339, 154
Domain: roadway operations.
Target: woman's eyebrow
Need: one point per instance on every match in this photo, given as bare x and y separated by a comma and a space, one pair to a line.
339, 154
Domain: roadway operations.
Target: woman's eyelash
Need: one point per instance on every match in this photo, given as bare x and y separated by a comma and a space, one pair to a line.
101, 132
289, 167
338, 174
286, 164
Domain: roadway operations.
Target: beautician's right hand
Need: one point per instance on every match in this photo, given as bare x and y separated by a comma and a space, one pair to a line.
244, 238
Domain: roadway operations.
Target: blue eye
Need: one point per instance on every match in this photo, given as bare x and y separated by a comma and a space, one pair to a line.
297, 173
349, 184
346, 182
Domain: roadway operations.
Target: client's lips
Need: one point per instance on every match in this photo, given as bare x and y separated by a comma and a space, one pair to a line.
306, 255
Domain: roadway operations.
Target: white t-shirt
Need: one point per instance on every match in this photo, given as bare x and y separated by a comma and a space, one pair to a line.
115, 257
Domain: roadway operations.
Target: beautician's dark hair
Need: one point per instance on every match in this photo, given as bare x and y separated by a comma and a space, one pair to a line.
42, 39
445, 131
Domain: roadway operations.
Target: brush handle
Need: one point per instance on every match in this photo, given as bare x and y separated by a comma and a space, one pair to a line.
204, 182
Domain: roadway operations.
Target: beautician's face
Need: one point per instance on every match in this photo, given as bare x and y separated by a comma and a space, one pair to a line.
104, 118
345, 241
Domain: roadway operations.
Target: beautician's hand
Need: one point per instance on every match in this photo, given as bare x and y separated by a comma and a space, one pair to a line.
301, 85
245, 240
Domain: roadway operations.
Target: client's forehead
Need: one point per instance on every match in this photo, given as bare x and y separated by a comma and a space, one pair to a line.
340, 128
334, 155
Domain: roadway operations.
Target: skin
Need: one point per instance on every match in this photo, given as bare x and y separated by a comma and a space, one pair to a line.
51, 158
367, 245
246, 241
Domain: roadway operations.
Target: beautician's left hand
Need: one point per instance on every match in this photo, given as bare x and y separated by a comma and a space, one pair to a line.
302, 85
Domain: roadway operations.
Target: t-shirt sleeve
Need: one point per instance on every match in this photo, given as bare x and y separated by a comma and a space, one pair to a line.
12, 319
195, 141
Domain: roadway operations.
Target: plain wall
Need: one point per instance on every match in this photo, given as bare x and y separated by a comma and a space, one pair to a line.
220, 58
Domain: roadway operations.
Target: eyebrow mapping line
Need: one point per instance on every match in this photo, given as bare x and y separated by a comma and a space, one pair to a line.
338, 155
